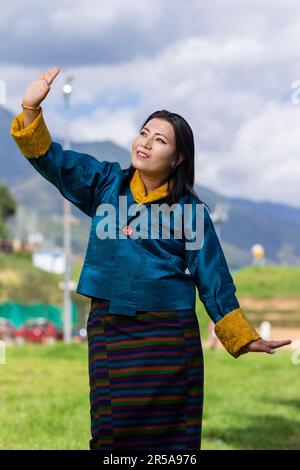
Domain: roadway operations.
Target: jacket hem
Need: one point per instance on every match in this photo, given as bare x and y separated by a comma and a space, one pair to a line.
102, 287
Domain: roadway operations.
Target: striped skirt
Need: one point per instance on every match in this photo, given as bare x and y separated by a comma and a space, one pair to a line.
146, 379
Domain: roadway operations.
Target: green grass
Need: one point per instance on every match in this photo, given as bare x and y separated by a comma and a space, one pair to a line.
249, 403
24, 283
44, 397
267, 281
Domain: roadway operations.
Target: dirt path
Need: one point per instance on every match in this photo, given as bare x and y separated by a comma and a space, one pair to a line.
275, 304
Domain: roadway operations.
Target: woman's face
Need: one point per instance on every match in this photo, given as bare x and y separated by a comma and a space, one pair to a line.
156, 141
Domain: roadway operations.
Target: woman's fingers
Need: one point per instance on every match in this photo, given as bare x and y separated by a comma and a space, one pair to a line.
263, 346
37, 91
50, 75
255, 346
278, 344
269, 347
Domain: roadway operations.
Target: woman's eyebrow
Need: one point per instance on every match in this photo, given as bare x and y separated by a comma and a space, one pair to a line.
156, 133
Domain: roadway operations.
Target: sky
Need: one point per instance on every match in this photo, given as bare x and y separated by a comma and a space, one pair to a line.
230, 68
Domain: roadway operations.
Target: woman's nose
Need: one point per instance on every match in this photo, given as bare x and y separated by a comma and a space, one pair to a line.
147, 143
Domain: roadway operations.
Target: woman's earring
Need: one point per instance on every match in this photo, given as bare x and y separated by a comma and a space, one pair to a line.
173, 164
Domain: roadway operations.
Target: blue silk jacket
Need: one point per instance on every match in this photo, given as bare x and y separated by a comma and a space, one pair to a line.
137, 273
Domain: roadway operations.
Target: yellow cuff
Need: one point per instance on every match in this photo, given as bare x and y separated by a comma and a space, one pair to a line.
33, 140
235, 331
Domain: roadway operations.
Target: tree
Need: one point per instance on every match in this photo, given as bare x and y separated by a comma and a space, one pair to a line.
7, 209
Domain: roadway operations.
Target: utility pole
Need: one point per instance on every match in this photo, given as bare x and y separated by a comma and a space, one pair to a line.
67, 309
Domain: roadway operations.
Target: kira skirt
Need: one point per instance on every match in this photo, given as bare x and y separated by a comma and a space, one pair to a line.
146, 379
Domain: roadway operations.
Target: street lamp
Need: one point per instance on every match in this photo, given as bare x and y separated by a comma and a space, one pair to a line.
67, 309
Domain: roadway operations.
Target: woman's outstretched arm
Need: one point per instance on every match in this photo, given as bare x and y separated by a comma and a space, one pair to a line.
209, 269
79, 177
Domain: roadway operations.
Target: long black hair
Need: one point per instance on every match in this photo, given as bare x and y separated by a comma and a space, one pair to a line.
183, 175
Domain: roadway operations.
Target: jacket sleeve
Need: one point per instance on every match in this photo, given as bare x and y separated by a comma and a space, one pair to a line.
79, 177
216, 288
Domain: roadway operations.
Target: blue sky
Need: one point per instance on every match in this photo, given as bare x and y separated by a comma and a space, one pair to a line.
226, 66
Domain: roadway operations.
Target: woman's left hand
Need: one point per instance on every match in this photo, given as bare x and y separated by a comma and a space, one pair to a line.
261, 345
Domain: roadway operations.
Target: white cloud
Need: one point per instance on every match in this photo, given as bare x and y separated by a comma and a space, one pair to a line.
263, 162
118, 126
227, 69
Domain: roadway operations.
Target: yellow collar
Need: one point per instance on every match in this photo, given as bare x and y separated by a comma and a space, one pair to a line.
138, 190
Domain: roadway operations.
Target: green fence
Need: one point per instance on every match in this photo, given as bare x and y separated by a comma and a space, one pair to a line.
18, 313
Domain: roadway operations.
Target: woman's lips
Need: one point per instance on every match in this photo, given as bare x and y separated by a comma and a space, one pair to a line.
141, 155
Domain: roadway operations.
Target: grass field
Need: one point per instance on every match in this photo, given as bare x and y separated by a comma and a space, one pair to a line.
250, 403
267, 281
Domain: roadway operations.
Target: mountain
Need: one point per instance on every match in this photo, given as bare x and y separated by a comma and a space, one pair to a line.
275, 226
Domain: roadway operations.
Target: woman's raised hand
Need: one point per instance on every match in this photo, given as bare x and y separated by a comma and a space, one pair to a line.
37, 91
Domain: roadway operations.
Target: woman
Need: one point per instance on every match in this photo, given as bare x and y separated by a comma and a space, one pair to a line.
145, 353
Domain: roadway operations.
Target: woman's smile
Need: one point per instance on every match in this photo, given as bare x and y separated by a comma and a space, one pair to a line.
141, 155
